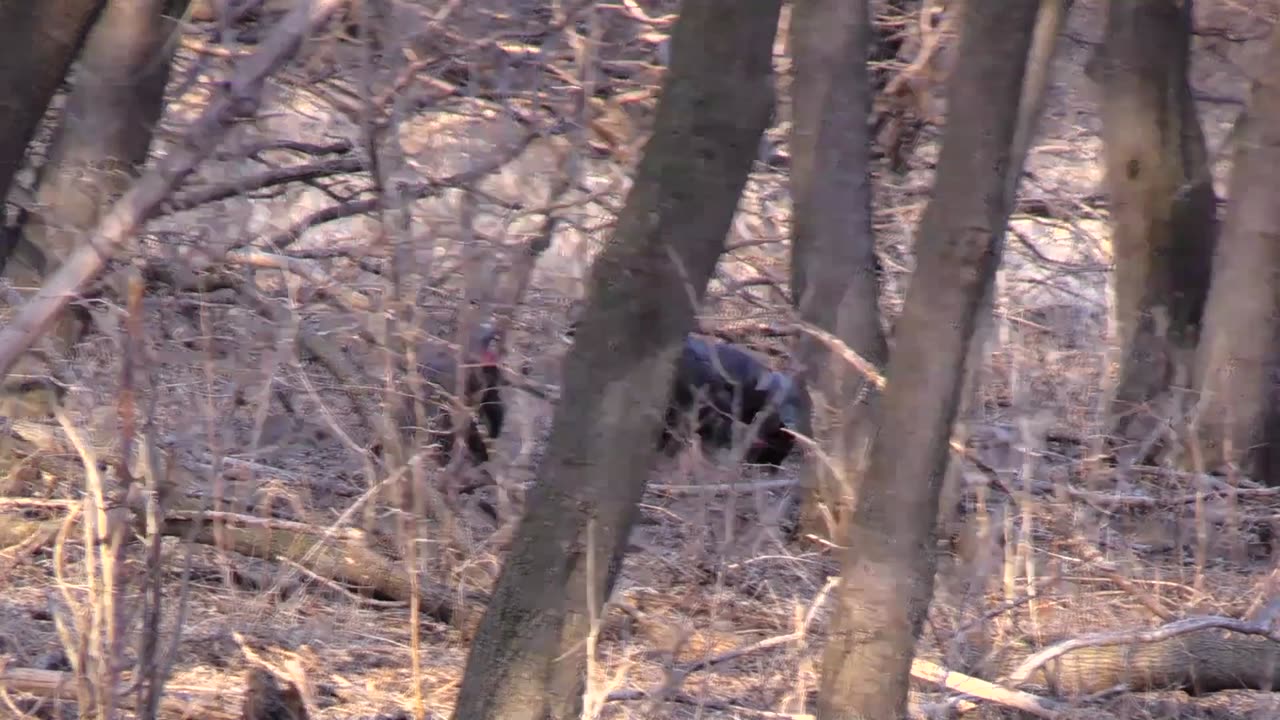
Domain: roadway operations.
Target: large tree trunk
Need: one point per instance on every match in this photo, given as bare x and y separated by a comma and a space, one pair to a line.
104, 134
1238, 363
1162, 205
528, 655
42, 38
833, 262
889, 560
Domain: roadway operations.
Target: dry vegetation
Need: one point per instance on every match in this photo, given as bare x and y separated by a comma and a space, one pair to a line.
259, 365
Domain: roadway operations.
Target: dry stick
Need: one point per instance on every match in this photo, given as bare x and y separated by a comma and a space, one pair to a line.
274, 176
29, 502
255, 148
240, 98
1091, 555
1025, 701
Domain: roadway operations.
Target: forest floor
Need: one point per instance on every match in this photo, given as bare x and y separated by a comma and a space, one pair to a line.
709, 579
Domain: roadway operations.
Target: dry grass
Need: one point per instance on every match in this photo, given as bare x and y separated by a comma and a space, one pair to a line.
1051, 544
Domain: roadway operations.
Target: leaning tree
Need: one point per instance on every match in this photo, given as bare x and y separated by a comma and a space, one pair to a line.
888, 568
530, 651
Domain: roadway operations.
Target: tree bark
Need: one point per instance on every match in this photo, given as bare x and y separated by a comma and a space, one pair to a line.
40, 39
527, 658
833, 262
1239, 355
1163, 206
1050, 20
104, 134
889, 561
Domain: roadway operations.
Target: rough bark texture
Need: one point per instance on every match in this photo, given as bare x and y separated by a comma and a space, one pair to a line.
889, 561
1202, 662
1050, 20
527, 659
833, 261
1162, 203
1239, 356
40, 39
104, 133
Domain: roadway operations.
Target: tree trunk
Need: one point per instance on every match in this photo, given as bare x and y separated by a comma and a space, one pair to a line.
1239, 356
1050, 20
105, 131
833, 261
889, 560
528, 655
1162, 205
42, 39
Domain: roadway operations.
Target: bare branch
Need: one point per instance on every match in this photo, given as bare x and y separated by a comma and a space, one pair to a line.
239, 98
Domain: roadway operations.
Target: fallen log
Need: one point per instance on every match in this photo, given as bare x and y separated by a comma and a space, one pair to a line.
346, 561
177, 702
1199, 655
340, 555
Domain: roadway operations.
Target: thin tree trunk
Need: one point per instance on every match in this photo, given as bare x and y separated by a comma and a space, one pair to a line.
1163, 207
528, 654
1239, 355
833, 261
40, 39
889, 561
105, 131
